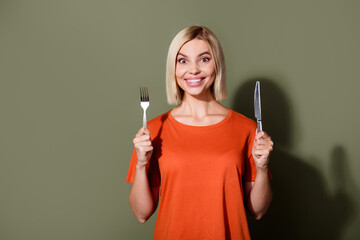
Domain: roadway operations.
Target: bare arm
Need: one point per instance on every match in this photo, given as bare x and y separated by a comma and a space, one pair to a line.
258, 193
143, 200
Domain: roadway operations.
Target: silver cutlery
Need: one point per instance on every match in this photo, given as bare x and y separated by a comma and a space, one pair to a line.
144, 103
257, 106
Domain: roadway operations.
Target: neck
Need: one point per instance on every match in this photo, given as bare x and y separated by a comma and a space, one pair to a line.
199, 106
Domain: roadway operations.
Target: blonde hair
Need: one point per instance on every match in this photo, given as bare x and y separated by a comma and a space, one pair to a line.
174, 92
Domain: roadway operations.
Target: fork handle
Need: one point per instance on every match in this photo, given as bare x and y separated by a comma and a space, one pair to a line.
144, 120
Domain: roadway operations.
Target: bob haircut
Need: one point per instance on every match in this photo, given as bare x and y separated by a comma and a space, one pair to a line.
218, 88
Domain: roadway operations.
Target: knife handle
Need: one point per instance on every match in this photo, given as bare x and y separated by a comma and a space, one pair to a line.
259, 126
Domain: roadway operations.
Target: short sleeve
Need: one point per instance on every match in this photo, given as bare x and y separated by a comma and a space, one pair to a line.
250, 168
153, 171
132, 168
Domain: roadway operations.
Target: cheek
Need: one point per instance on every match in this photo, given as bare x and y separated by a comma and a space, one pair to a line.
179, 71
208, 68
212, 69
178, 76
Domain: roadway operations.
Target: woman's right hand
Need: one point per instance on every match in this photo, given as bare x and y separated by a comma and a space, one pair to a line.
143, 147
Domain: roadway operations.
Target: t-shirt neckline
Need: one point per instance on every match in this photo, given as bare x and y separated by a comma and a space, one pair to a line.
226, 118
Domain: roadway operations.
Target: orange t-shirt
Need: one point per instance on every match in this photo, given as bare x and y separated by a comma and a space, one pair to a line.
201, 170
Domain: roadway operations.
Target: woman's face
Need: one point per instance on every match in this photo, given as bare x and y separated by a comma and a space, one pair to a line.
195, 68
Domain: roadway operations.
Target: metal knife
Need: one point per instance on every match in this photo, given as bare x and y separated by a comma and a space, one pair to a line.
257, 106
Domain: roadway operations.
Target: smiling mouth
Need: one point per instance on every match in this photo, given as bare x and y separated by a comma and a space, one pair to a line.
194, 80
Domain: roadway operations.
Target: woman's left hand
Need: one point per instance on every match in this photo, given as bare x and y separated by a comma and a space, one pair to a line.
261, 149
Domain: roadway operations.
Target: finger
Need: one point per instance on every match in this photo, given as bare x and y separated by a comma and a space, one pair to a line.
262, 134
141, 138
264, 142
145, 149
265, 134
261, 153
142, 144
146, 131
264, 148
259, 135
142, 131
263, 145
142, 141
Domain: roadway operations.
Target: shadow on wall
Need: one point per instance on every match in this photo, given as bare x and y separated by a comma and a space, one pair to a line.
302, 207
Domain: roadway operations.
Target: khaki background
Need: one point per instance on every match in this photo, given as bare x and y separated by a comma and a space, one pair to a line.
70, 73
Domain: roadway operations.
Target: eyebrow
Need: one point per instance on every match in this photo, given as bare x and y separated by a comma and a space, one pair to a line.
203, 53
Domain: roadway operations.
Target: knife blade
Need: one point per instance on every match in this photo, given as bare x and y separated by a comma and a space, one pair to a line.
257, 106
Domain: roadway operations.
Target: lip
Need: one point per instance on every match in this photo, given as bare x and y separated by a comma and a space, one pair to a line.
194, 81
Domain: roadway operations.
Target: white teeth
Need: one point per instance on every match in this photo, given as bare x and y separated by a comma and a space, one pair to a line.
194, 81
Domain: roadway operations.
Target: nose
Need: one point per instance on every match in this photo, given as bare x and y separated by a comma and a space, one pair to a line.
194, 68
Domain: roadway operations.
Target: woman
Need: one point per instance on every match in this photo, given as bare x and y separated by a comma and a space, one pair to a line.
208, 159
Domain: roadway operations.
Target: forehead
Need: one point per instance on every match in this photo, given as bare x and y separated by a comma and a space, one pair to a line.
194, 47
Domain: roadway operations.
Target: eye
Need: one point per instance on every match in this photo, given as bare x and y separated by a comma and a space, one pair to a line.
182, 60
205, 59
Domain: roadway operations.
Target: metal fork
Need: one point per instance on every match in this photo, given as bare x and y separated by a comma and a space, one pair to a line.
144, 103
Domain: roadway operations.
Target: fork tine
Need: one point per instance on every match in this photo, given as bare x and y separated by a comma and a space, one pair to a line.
144, 94
144, 103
